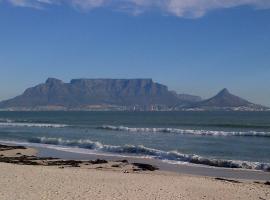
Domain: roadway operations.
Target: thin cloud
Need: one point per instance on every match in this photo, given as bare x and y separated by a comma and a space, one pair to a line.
31, 3
180, 8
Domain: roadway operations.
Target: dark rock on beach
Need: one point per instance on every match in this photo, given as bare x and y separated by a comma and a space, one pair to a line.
98, 161
227, 180
6, 148
72, 163
145, 167
267, 183
122, 161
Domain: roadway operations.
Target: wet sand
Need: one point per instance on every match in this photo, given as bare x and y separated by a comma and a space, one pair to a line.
189, 169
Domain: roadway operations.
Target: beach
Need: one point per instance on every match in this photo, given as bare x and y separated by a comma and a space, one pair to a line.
108, 181
135, 100
75, 155
35, 182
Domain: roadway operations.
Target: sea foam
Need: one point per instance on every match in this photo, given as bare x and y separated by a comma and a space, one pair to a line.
24, 124
141, 150
186, 131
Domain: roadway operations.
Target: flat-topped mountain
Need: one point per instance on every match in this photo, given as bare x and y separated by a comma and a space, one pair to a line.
96, 93
225, 100
118, 94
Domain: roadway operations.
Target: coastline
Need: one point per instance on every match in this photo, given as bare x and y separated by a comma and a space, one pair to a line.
48, 151
185, 168
19, 181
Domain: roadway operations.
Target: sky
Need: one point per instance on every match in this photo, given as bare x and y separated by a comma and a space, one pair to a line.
192, 46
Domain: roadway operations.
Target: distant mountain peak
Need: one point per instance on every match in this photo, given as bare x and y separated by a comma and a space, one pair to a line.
85, 93
224, 99
119, 94
51, 81
224, 91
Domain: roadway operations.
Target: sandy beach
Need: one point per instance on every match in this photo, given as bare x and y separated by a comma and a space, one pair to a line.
27, 182
38, 182
134, 100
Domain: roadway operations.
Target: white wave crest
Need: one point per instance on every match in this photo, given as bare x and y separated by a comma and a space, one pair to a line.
140, 150
22, 124
186, 131
6, 120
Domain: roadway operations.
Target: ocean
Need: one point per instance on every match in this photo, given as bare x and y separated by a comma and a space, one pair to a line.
219, 139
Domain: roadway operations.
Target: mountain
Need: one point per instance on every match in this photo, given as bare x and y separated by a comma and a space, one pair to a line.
143, 94
118, 94
224, 100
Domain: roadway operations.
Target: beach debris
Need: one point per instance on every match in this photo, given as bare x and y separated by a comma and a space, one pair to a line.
115, 165
98, 161
145, 167
18, 160
72, 163
122, 161
227, 180
6, 148
267, 183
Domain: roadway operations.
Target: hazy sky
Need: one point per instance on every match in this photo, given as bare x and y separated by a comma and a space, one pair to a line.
192, 46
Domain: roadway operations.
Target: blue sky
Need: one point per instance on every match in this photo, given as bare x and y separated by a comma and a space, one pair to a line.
192, 46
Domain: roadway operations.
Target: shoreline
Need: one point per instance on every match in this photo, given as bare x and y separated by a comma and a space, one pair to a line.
183, 168
99, 179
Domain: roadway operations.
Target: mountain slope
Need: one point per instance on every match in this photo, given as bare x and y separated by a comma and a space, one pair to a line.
225, 100
118, 94
80, 93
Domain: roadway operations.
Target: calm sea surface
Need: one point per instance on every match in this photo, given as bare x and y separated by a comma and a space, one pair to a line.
229, 138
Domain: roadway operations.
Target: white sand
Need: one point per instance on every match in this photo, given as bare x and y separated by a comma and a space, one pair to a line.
19, 182
19, 152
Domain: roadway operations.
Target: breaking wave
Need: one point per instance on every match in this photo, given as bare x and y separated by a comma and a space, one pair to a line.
12, 123
186, 131
154, 153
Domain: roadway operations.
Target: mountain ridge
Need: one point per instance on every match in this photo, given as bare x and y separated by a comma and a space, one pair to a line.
82, 93
118, 94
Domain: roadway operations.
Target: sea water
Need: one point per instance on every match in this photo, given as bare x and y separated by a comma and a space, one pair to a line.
221, 139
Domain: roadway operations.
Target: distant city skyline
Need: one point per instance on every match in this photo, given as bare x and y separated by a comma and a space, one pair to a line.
194, 47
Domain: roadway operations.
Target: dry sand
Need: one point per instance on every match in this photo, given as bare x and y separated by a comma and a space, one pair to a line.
40, 182
18, 152
23, 182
